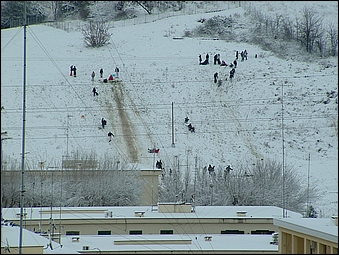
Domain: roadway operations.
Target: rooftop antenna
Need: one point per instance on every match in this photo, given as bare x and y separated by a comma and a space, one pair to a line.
23, 135
283, 151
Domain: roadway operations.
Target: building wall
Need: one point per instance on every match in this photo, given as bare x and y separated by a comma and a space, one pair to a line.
123, 226
24, 250
292, 242
150, 188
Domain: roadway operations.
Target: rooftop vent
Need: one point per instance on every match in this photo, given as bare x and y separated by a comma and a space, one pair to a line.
139, 213
208, 238
335, 219
75, 239
108, 214
85, 248
241, 213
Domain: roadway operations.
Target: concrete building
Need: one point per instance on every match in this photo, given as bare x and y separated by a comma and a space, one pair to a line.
163, 219
31, 243
307, 235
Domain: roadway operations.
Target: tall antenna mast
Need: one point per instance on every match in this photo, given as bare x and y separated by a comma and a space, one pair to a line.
283, 151
23, 136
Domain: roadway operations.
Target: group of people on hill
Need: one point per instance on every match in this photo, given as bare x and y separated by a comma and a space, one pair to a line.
218, 61
73, 72
206, 61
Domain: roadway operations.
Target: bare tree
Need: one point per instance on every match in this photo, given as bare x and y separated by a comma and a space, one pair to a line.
310, 28
96, 34
146, 5
55, 6
333, 38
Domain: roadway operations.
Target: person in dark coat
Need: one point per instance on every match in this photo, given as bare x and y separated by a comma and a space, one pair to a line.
110, 135
235, 63
74, 71
215, 59
207, 58
71, 73
101, 72
200, 59
218, 59
232, 73
117, 72
103, 123
95, 93
215, 77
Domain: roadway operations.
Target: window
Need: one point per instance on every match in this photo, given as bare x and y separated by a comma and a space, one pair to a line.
135, 232
104, 233
262, 232
166, 232
72, 233
232, 232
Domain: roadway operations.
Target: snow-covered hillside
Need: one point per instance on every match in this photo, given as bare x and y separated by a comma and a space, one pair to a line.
272, 105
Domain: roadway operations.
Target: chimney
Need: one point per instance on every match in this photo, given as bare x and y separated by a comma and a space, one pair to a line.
335, 220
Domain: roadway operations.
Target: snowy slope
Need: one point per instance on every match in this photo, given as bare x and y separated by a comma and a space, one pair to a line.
240, 120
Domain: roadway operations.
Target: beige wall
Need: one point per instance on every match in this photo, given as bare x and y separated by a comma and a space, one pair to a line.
292, 242
185, 225
24, 250
150, 190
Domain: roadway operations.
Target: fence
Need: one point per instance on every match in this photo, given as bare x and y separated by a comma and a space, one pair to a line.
78, 26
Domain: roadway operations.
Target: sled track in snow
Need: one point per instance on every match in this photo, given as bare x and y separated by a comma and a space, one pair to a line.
123, 119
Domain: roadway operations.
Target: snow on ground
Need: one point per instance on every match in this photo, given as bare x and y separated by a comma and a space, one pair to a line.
240, 120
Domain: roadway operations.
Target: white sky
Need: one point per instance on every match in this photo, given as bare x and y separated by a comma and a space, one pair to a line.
241, 120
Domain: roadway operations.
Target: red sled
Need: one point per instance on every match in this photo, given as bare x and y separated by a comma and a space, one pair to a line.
153, 150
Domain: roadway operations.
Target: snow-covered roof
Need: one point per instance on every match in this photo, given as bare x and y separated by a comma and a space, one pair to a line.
11, 214
10, 237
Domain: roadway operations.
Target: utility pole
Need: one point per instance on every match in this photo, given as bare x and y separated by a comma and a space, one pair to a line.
283, 151
23, 135
173, 145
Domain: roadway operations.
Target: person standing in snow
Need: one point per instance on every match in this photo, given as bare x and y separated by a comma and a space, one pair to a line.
235, 63
236, 54
245, 54
200, 59
218, 59
101, 72
95, 93
103, 123
93, 75
71, 73
215, 77
110, 135
215, 59
207, 58
74, 71
232, 73
117, 72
